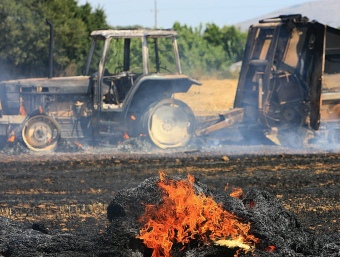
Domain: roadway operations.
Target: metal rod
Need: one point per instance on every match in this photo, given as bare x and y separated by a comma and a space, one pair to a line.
155, 14
48, 22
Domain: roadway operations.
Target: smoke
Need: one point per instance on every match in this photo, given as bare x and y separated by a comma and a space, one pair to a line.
5, 71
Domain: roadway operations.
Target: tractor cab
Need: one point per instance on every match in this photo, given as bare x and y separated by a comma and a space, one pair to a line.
127, 57
136, 74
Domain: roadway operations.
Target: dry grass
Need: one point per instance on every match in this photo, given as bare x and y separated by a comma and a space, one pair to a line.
60, 214
211, 98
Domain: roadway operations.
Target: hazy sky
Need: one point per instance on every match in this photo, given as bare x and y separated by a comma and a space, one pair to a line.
189, 12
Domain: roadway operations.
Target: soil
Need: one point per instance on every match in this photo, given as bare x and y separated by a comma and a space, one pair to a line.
68, 192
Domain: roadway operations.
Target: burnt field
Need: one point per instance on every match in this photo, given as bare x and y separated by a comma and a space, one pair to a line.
69, 192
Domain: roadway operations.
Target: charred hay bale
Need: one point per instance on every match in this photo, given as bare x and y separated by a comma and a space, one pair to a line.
278, 227
125, 209
128, 206
275, 225
21, 240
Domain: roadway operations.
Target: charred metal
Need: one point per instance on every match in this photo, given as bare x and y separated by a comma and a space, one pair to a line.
98, 105
288, 83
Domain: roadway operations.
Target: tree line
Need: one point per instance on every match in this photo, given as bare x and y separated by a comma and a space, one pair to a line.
206, 51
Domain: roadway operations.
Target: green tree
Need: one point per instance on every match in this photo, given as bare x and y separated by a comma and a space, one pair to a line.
231, 39
209, 53
20, 43
24, 43
234, 42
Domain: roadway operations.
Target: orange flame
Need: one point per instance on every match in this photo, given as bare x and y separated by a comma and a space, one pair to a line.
183, 216
126, 135
11, 139
237, 193
78, 144
22, 111
133, 117
270, 248
226, 187
40, 109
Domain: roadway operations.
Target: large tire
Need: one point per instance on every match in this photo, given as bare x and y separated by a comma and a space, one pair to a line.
293, 138
41, 133
334, 136
169, 123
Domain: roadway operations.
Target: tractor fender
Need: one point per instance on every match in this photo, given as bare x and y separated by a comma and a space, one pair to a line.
38, 112
152, 88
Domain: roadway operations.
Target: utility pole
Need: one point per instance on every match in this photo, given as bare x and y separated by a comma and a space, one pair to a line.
155, 7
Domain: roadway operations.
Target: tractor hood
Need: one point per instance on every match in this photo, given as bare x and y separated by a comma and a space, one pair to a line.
56, 85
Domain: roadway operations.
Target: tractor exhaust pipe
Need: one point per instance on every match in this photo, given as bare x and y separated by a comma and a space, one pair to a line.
48, 22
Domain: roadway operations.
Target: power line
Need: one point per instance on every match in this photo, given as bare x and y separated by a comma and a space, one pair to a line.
156, 11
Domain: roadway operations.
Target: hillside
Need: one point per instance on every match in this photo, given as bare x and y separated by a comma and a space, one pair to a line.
323, 11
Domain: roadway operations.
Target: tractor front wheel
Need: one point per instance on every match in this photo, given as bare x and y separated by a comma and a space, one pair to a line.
41, 133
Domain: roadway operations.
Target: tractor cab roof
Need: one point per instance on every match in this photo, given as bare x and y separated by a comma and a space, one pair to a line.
132, 33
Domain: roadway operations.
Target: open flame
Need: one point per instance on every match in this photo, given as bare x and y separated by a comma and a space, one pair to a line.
237, 193
11, 139
22, 111
78, 144
126, 135
270, 248
184, 215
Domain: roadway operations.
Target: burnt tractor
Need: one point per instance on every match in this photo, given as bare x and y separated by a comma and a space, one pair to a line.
126, 90
288, 86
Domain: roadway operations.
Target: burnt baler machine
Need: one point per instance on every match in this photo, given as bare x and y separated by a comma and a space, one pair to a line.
288, 84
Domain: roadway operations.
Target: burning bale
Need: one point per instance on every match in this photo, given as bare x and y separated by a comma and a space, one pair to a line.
175, 217
184, 216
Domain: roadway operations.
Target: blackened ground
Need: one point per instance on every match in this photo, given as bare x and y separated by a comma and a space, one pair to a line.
66, 194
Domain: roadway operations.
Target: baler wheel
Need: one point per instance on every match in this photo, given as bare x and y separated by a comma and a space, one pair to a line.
334, 136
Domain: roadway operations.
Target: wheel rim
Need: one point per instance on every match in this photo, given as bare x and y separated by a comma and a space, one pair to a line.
293, 138
290, 117
334, 136
170, 124
41, 133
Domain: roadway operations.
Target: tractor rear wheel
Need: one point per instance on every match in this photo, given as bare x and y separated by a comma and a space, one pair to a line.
169, 123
